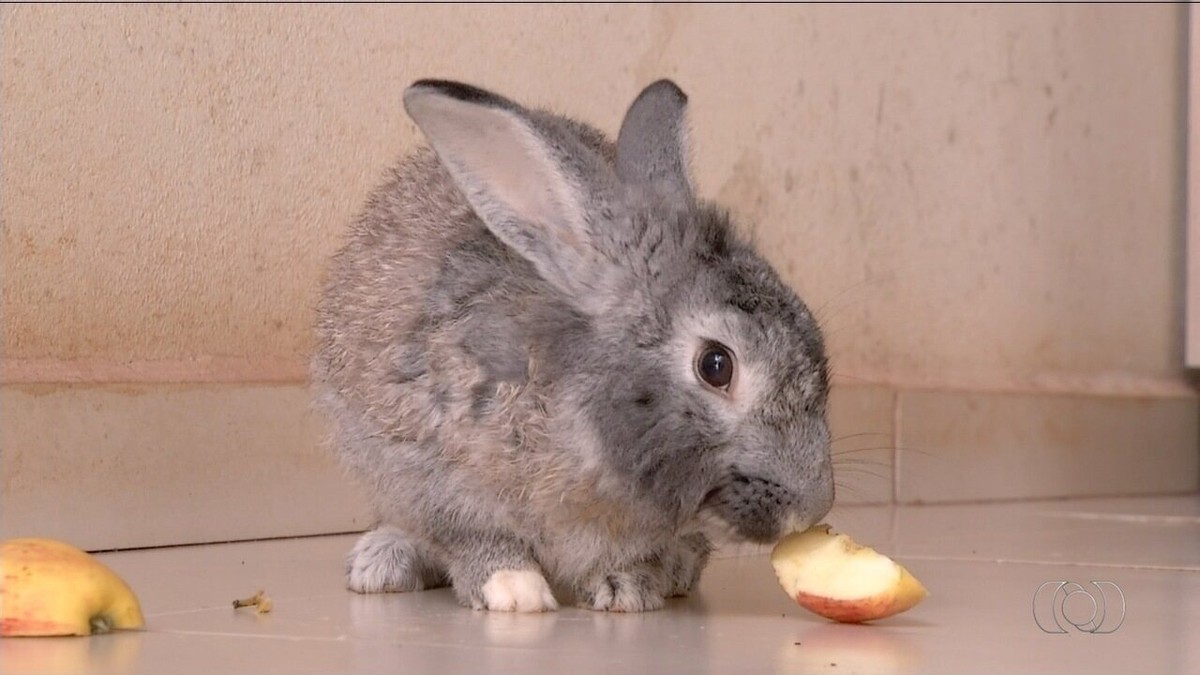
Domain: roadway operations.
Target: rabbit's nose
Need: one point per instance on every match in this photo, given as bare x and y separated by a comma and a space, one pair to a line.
813, 503
819, 499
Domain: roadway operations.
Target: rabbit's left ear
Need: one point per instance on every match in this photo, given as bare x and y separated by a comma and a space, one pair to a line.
534, 194
652, 144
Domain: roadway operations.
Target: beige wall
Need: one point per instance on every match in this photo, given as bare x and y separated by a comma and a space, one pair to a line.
981, 201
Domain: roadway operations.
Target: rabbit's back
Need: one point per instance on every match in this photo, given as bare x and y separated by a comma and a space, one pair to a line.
373, 305
427, 332
418, 261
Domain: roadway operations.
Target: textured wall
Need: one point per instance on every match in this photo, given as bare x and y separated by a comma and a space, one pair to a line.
984, 194
977, 199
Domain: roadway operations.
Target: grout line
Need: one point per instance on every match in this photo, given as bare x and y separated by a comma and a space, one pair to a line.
253, 540
1047, 563
260, 636
195, 370
193, 610
1018, 501
996, 561
894, 521
1098, 384
896, 422
1036, 499
1140, 519
566, 614
225, 606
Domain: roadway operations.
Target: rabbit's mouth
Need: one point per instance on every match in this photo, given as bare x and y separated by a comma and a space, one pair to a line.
750, 508
729, 515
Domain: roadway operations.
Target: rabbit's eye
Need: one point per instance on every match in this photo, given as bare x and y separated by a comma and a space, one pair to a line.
715, 366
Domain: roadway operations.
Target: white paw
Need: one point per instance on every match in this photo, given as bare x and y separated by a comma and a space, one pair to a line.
518, 591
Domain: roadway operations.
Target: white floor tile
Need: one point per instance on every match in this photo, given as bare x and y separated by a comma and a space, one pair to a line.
982, 564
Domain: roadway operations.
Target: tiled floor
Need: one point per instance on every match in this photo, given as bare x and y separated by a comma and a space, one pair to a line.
982, 563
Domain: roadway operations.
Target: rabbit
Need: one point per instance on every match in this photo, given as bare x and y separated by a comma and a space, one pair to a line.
559, 375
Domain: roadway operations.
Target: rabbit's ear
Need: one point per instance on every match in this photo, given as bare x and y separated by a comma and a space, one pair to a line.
652, 144
526, 190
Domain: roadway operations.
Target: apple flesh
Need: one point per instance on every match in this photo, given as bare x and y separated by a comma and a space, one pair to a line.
53, 588
829, 574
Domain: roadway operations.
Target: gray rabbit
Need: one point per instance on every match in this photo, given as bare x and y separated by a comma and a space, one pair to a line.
558, 373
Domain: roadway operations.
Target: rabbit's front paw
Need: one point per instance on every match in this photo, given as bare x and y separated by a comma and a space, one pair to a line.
630, 591
517, 591
385, 560
684, 561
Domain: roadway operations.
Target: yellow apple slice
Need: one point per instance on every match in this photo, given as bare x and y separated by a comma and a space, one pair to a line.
52, 588
827, 573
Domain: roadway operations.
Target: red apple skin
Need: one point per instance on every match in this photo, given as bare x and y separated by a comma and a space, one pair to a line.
849, 611
903, 597
25, 625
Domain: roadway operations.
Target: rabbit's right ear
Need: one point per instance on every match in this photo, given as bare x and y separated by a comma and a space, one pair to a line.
528, 192
652, 144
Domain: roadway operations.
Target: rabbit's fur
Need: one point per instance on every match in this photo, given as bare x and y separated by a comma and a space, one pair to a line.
508, 350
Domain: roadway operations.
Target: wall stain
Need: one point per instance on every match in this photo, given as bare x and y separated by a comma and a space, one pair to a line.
747, 192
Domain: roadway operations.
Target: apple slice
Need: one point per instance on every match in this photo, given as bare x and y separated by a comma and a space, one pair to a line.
52, 588
827, 573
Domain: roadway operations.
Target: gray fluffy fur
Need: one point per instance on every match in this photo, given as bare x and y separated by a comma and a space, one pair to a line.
506, 355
